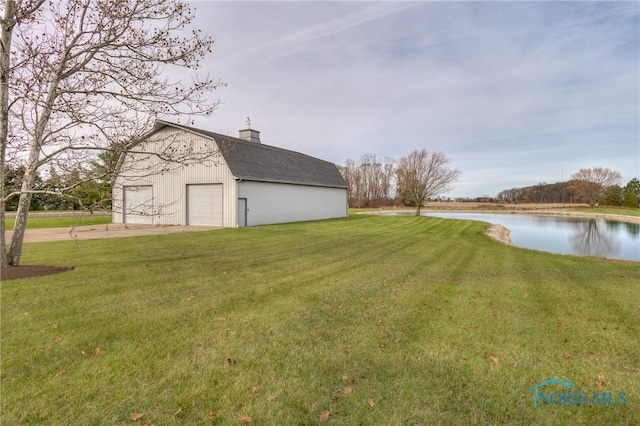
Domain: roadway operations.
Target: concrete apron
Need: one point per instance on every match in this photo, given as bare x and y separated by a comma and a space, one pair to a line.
119, 230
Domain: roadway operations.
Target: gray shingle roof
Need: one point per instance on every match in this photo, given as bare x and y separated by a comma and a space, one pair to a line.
260, 162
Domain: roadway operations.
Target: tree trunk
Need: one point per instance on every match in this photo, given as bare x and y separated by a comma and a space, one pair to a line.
5, 56
419, 206
4, 261
28, 180
15, 249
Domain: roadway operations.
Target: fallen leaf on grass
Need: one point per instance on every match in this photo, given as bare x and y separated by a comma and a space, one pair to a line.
136, 416
345, 379
177, 412
324, 416
370, 402
347, 391
59, 373
495, 359
254, 389
97, 352
245, 419
212, 414
57, 339
229, 361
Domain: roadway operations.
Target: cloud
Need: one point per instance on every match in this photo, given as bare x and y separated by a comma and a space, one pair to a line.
513, 92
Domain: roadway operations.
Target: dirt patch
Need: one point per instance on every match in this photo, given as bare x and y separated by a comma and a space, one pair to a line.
500, 233
30, 271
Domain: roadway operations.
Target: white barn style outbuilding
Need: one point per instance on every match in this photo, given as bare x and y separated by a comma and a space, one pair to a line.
179, 175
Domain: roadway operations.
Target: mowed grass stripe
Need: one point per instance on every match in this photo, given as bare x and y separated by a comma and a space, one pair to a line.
281, 323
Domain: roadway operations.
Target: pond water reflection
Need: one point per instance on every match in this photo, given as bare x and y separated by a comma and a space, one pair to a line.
565, 235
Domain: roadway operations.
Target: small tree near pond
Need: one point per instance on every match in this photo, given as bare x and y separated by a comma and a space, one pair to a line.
591, 184
422, 175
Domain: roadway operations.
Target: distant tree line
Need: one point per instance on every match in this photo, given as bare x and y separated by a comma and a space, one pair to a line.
370, 181
409, 181
596, 186
559, 192
69, 189
423, 176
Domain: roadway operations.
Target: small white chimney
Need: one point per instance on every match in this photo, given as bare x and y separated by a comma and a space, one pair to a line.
250, 135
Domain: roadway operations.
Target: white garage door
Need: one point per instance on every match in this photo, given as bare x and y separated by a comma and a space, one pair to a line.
204, 205
138, 204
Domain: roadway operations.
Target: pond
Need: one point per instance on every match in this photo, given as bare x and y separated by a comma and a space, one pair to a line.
564, 235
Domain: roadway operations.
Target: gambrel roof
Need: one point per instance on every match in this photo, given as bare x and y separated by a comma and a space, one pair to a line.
259, 162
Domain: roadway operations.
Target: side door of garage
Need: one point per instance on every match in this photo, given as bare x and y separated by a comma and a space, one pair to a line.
242, 212
138, 204
204, 204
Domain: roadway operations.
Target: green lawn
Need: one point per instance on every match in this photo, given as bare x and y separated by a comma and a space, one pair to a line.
368, 320
608, 210
61, 222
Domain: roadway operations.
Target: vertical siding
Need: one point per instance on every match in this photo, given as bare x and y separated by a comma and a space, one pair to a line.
279, 203
170, 178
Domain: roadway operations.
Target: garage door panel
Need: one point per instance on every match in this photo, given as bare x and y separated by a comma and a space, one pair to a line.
138, 204
204, 205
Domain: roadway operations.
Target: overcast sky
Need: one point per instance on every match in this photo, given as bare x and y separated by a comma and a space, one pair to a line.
514, 93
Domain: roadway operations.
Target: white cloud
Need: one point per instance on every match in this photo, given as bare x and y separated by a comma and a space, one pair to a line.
515, 93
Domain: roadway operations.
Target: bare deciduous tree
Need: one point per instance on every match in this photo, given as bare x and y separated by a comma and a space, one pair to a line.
83, 76
369, 181
422, 175
352, 177
13, 14
591, 184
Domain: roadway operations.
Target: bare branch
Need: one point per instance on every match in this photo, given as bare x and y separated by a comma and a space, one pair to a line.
87, 76
422, 175
591, 184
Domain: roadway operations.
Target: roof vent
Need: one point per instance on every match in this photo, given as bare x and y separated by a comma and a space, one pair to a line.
250, 135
